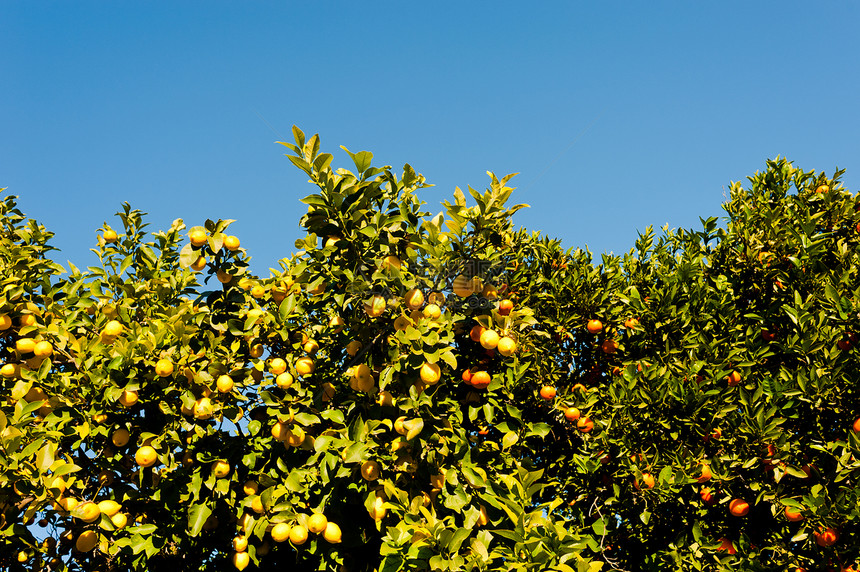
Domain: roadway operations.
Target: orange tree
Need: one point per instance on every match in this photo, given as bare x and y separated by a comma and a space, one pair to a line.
419, 392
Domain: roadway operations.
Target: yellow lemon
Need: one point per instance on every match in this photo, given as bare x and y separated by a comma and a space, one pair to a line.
145, 456
86, 541
317, 523
164, 367
430, 373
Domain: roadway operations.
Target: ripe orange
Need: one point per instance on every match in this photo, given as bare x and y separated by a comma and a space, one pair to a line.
199, 264
822, 189
241, 560
120, 437
5, 322
733, 378
706, 474
631, 323
476, 332
505, 307
856, 425
647, 481
594, 326
481, 380
793, 515
826, 536
585, 424
609, 346
220, 469
25, 345
467, 376
739, 507
547, 392
86, 541
707, 496
571, 413
43, 349
727, 546
109, 236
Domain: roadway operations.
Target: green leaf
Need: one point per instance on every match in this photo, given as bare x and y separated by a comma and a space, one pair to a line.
197, 516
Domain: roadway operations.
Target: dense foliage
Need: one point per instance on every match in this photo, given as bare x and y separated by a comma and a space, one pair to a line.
419, 392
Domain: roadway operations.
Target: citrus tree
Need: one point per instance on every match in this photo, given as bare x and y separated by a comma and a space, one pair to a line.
411, 391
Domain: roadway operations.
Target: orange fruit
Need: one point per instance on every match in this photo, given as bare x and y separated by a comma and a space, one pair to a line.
120, 437
733, 378
647, 481
277, 366
476, 332
241, 560
856, 425
609, 346
43, 349
594, 326
224, 383
220, 469
223, 277
481, 380
390, 262
585, 424
25, 345
793, 515
547, 392
5, 322
826, 536
631, 323
707, 496
706, 474
505, 307
739, 507
571, 413
109, 236
199, 264
462, 286
727, 546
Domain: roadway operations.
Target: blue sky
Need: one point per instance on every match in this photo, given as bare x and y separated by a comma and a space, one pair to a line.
616, 115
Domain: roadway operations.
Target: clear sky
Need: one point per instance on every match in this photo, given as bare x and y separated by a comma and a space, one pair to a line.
617, 115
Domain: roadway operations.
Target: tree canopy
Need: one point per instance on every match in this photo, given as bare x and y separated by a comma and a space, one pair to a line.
411, 391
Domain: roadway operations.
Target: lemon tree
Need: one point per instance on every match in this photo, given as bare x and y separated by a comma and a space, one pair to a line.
420, 391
